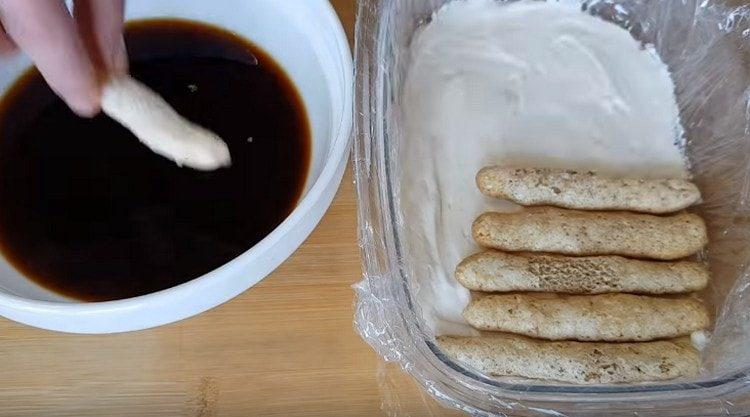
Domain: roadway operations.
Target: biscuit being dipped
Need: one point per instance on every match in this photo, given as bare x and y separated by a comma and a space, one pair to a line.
585, 190
157, 125
575, 232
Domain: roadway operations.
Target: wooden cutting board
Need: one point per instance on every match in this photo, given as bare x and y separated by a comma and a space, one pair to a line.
286, 347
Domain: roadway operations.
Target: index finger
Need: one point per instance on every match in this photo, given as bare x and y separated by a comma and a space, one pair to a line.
47, 33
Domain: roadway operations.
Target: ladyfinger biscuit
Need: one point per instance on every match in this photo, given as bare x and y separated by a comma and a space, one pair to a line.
605, 317
494, 271
575, 362
586, 190
157, 125
574, 232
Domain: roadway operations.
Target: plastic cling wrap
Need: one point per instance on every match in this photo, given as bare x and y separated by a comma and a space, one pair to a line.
705, 45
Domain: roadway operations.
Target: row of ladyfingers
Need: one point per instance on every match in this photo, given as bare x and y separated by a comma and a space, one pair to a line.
569, 286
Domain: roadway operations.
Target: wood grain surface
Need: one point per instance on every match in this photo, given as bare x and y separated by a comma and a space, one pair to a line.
286, 347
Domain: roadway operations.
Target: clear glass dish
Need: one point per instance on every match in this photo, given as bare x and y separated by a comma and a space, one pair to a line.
705, 45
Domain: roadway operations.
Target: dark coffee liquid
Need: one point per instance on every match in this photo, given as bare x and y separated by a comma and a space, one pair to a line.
89, 212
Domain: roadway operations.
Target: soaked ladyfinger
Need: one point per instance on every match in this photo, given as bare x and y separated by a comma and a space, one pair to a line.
575, 232
586, 190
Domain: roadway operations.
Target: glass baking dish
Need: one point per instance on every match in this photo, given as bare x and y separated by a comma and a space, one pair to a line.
705, 46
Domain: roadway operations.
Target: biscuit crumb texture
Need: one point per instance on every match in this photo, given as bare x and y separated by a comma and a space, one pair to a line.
495, 271
605, 317
574, 362
586, 190
575, 232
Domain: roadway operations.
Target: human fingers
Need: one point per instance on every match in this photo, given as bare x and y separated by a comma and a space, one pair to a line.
47, 33
100, 24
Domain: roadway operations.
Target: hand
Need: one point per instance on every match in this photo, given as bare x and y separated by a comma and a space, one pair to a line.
73, 53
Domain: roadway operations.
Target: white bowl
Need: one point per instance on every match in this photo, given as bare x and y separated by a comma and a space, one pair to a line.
307, 39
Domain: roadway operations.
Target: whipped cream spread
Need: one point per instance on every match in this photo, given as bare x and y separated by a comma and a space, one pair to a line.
523, 84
